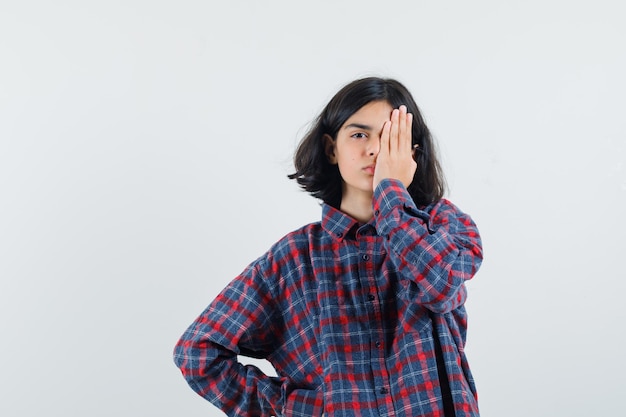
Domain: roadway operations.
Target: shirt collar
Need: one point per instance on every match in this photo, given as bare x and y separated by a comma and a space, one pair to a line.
337, 223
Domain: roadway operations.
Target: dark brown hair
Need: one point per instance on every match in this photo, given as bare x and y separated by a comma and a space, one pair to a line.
322, 180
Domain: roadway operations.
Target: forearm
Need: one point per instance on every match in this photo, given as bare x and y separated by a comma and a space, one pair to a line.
242, 390
439, 249
240, 322
215, 374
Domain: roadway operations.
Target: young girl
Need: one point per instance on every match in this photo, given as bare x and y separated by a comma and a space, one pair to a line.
361, 313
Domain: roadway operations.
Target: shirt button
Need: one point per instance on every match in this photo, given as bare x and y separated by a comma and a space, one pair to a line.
378, 344
384, 390
366, 257
377, 212
371, 297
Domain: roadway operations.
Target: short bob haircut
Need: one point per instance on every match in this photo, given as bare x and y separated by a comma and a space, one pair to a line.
316, 175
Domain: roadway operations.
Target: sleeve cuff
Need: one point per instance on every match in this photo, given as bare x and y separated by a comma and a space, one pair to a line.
304, 403
392, 201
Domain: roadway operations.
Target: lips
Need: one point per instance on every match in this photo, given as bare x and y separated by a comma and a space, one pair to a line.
370, 169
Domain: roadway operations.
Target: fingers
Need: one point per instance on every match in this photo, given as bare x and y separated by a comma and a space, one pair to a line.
394, 134
408, 137
385, 138
395, 156
400, 132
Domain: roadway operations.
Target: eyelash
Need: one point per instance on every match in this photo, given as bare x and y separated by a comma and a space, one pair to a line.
362, 135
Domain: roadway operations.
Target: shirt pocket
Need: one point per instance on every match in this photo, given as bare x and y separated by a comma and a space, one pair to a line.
338, 292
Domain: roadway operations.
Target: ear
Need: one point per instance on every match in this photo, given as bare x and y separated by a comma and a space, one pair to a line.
329, 148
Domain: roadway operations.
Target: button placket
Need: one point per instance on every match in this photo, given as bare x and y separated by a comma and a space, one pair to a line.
369, 258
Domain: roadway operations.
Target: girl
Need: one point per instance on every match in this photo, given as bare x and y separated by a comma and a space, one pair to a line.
361, 313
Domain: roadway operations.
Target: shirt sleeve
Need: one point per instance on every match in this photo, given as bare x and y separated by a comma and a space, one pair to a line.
241, 320
439, 247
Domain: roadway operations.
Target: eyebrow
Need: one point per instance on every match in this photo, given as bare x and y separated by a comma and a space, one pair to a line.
358, 126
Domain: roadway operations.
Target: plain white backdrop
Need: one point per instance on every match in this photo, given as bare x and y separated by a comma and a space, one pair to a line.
144, 148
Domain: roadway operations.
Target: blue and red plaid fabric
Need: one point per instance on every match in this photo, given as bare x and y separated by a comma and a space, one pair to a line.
345, 312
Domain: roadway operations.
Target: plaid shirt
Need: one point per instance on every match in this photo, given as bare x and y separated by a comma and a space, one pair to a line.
345, 313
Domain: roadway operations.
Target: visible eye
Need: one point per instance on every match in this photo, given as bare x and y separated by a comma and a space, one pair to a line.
359, 135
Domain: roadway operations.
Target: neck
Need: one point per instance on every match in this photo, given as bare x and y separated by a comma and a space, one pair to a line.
358, 206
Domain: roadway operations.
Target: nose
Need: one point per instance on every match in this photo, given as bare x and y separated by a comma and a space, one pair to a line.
373, 146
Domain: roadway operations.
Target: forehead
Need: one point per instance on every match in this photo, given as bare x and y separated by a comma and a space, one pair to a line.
374, 113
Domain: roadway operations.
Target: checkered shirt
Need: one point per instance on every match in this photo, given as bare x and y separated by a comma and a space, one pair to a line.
346, 313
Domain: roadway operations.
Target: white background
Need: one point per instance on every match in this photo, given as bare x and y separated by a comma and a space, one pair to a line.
144, 148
